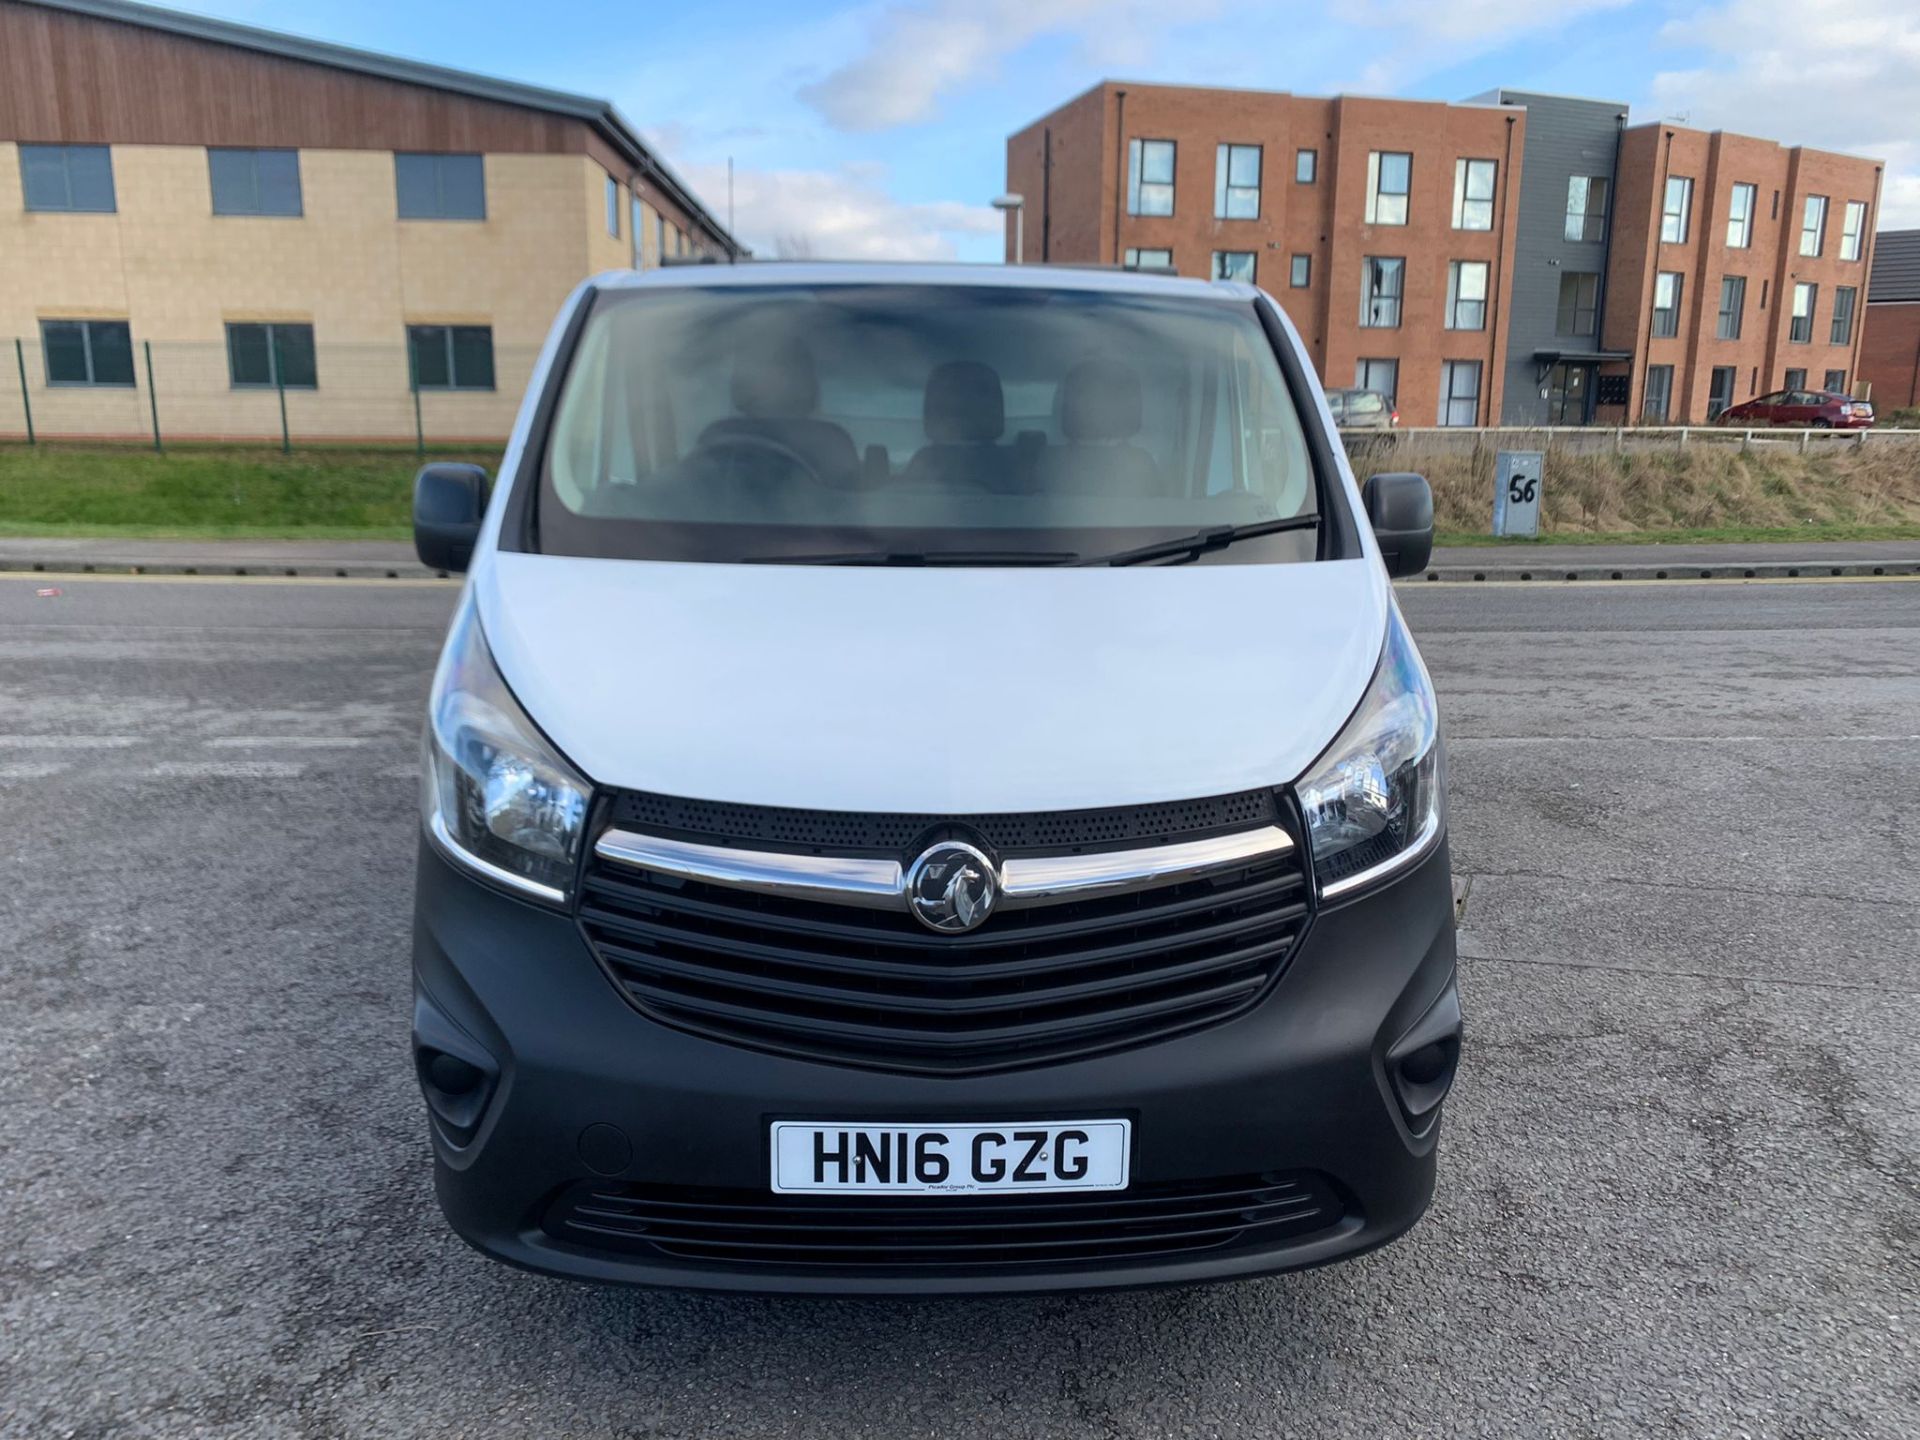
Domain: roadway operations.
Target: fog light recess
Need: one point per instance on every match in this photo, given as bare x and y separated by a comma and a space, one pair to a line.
1421, 1064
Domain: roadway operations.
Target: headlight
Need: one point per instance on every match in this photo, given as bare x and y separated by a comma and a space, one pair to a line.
1375, 797
498, 797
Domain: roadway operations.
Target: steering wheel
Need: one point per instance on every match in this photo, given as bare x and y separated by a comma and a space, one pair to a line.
765, 444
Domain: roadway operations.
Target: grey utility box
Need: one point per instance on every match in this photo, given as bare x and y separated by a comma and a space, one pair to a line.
1516, 492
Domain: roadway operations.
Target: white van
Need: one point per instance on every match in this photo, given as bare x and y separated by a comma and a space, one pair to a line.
928, 789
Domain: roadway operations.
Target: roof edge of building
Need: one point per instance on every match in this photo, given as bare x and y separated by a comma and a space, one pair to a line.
1756, 139
601, 114
1119, 85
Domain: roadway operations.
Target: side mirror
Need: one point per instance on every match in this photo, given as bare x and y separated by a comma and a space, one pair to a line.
448, 503
1400, 506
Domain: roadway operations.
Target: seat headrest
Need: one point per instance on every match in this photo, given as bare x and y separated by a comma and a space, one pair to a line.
776, 381
964, 404
1100, 400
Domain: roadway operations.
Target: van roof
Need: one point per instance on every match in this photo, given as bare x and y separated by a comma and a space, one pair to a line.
767, 273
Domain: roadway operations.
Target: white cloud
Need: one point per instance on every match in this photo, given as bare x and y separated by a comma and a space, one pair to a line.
917, 53
1407, 38
842, 214
1836, 74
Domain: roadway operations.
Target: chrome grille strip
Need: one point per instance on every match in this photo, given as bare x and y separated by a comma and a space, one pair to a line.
881, 884
1056, 879
836, 879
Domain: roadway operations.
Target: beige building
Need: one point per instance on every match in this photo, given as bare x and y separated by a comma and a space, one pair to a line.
376, 244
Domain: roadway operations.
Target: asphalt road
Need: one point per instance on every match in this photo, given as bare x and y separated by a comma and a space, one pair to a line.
1678, 1192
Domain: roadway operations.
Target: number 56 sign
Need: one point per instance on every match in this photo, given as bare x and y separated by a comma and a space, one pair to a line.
1516, 492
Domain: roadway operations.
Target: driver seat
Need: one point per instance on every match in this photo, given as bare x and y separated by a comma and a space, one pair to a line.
777, 392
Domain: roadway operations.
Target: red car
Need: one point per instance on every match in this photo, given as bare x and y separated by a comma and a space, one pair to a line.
1822, 409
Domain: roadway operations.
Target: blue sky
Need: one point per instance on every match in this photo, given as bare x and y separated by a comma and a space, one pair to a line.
879, 129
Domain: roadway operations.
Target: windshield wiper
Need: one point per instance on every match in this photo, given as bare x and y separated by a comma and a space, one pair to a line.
1192, 547
923, 557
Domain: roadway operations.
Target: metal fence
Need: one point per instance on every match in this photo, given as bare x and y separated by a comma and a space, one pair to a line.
185, 392
1593, 439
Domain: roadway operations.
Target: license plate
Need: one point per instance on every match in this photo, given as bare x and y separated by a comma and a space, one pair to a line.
860, 1157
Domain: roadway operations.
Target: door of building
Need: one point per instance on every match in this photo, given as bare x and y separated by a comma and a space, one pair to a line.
1569, 394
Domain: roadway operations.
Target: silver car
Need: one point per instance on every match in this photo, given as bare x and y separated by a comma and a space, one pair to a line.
1362, 410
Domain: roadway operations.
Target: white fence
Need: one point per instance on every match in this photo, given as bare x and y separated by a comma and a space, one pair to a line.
1591, 439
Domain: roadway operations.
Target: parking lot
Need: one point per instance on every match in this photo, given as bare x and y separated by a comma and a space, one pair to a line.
1678, 1190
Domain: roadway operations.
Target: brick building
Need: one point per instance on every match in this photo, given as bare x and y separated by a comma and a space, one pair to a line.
1344, 210
277, 217
1890, 352
1739, 267
1516, 258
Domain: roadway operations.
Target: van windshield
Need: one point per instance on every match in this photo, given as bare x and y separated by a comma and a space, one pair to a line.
920, 424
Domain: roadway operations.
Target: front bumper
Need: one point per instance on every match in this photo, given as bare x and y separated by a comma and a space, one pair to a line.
579, 1087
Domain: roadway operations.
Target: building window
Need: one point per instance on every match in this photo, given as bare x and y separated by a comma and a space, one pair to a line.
1587, 207
87, 352
1733, 300
1467, 295
1473, 194
1720, 391
1677, 210
1380, 280
451, 357
1796, 380
440, 187
1740, 217
1460, 392
1300, 274
1389, 179
1837, 382
1813, 225
1306, 164
1659, 397
1843, 300
1800, 328
67, 177
1853, 230
271, 355
1380, 376
637, 230
254, 182
1149, 259
1233, 265
613, 207
1236, 182
1666, 303
1579, 305
1150, 177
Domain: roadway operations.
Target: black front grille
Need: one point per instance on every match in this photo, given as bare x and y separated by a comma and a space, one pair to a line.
849, 832
921, 1233
874, 987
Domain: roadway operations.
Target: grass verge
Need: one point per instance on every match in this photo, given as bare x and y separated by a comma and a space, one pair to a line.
1706, 492
1701, 494
197, 494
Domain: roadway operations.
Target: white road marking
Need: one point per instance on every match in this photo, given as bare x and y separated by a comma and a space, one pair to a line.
291, 742
67, 742
1454, 741
31, 769
228, 769
1598, 577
